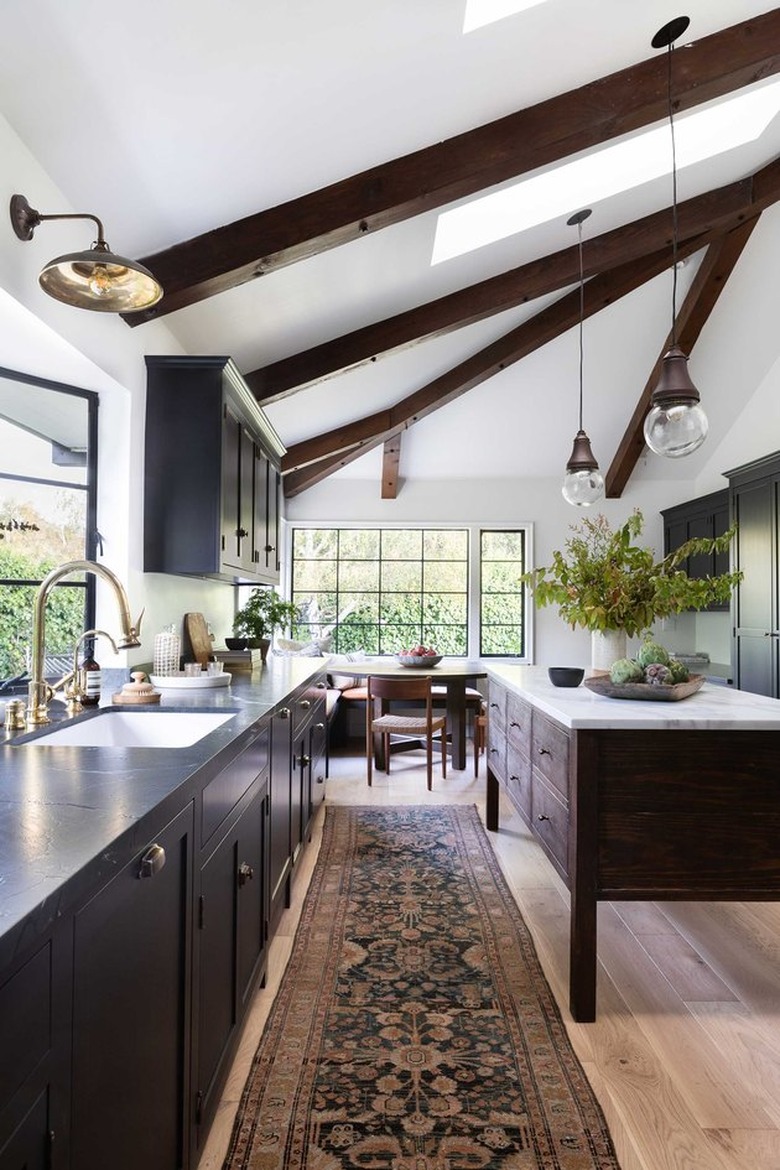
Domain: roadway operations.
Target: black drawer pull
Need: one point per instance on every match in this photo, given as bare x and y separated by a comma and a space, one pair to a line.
544, 752
245, 873
516, 778
513, 724
542, 817
320, 779
304, 761
494, 751
152, 861
494, 705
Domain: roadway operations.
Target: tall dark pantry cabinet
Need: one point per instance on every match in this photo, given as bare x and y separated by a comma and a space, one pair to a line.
754, 491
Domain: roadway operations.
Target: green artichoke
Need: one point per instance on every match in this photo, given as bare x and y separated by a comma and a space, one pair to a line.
626, 670
679, 671
652, 652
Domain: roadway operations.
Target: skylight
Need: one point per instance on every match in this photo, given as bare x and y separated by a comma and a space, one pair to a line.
481, 12
699, 135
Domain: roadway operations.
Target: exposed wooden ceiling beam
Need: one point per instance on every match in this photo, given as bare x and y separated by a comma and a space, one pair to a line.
708, 213
346, 443
391, 459
710, 280
235, 253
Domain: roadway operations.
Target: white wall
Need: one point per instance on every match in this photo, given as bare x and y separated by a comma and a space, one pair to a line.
97, 352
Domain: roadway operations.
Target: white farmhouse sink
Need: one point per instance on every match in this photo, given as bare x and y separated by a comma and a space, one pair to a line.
151, 729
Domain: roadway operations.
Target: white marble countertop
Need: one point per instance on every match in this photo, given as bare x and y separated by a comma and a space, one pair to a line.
577, 707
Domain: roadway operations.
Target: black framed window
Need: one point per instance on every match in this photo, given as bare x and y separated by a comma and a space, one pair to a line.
384, 589
48, 510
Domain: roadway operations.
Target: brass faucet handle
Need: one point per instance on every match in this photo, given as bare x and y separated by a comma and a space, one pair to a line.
14, 715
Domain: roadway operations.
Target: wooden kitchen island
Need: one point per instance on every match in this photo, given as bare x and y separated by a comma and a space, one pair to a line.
638, 800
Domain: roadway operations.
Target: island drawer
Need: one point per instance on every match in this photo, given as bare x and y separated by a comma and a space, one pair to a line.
550, 752
518, 780
497, 697
223, 793
550, 819
518, 722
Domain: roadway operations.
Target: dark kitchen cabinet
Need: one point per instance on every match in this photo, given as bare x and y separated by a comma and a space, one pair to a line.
707, 516
231, 940
280, 855
30, 1146
131, 1003
755, 506
211, 474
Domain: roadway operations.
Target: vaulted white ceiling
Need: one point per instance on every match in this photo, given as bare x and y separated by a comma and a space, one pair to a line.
171, 118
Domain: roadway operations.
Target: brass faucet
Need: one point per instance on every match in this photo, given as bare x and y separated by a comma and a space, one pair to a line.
75, 683
39, 692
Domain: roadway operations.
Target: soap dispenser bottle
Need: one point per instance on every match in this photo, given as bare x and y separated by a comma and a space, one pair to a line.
91, 676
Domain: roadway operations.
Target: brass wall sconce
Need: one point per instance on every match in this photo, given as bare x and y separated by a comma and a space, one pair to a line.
96, 279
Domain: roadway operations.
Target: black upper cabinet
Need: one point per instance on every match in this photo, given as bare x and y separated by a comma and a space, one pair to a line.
211, 475
707, 516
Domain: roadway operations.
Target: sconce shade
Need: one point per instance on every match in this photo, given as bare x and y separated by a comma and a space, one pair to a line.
676, 424
96, 279
101, 281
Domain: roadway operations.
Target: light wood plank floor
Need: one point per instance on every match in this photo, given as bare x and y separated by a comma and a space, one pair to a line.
685, 1054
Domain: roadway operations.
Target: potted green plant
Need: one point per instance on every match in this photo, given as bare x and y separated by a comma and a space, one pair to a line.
604, 582
264, 612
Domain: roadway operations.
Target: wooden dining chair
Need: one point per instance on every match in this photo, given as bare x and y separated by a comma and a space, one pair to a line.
380, 692
480, 737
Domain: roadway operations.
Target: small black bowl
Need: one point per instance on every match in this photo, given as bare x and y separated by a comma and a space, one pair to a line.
566, 676
235, 643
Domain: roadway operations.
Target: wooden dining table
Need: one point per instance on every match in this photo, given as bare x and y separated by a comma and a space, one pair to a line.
452, 673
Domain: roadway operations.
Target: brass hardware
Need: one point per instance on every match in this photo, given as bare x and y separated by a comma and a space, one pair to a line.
39, 692
152, 861
77, 688
304, 761
319, 726
284, 713
305, 703
14, 715
245, 873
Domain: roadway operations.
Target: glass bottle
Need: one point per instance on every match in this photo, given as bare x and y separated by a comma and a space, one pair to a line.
91, 677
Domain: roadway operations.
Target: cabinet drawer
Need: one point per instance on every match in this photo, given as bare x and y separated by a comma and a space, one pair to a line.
308, 704
550, 753
25, 1008
497, 706
550, 822
496, 748
518, 723
222, 795
518, 779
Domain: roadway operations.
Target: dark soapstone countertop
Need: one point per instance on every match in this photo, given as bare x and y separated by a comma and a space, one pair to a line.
71, 817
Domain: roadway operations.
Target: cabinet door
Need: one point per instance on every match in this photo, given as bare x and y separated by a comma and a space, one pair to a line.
756, 649
231, 937
130, 1010
260, 537
281, 811
29, 1147
273, 560
231, 488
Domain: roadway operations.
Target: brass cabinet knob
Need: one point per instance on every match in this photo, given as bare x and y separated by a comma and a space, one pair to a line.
245, 873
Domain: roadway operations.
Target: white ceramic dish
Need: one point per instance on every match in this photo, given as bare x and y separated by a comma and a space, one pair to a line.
182, 682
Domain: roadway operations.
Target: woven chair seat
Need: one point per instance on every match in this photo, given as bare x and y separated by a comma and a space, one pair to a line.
407, 724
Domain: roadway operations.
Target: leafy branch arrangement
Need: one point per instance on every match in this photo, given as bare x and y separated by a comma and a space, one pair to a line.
603, 581
264, 612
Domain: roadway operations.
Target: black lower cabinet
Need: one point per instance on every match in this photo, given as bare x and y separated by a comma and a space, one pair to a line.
30, 1146
130, 1011
281, 812
231, 939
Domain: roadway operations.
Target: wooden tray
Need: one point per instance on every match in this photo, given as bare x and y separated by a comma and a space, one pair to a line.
603, 685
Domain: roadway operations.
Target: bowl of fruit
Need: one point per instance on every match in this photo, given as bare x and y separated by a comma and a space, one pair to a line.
420, 656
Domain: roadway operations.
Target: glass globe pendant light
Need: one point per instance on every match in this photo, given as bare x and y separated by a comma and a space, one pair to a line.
583, 483
676, 425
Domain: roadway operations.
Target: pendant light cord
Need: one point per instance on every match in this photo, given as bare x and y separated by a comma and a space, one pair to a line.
582, 308
674, 197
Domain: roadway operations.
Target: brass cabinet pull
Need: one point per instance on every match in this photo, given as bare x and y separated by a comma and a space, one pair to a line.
319, 726
284, 713
304, 761
152, 861
305, 703
245, 873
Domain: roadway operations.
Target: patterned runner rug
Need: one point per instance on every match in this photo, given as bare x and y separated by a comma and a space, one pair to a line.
414, 1028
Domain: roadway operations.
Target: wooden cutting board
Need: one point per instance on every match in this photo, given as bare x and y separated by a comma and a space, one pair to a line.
200, 639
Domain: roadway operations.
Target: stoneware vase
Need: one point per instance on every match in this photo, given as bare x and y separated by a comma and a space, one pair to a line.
606, 646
